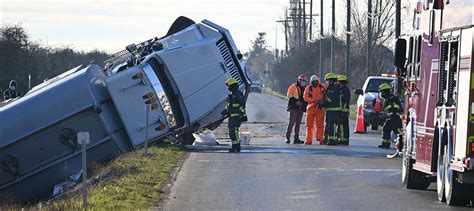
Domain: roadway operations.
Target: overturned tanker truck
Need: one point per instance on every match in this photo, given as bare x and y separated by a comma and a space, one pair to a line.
181, 76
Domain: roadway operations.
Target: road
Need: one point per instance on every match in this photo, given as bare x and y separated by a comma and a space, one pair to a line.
271, 175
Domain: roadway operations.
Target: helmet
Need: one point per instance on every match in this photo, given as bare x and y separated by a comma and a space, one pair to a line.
384, 87
314, 78
341, 78
230, 81
330, 76
302, 78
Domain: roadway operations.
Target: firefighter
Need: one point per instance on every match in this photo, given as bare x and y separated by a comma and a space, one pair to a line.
393, 122
333, 109
314, 96
236, 112
345, 97
12, 91
296, 107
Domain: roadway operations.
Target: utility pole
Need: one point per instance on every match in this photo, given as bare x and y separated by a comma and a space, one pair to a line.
370, 15
311, 20
397, 18
299, 22
321, 42
304, 23
348, 38
333, 31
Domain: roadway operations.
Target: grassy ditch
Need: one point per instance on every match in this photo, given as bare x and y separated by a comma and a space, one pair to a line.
130, 182
270, 92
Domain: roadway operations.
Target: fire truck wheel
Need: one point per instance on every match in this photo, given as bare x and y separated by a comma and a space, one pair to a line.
412, 179
453, 189
187, 138
440, 174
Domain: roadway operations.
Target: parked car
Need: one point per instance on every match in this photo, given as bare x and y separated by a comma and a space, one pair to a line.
367, 96
256, 87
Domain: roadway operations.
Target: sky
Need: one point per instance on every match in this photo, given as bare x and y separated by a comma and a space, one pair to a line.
110, 25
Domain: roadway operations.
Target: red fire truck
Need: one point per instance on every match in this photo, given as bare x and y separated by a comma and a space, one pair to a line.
435, 63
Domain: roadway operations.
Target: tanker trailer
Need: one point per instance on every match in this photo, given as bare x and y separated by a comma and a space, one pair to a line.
182, 82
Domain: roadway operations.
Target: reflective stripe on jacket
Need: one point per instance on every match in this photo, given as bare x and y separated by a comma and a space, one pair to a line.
236, 104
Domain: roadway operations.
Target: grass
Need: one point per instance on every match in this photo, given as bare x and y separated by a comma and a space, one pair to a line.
353, 112
269, 91
130, 182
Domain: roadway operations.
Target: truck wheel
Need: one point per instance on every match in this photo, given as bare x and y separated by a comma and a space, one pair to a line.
187, 138
440, 170
453, 189
411, 179
374, 127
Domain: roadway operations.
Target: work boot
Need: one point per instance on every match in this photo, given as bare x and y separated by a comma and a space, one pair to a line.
308, 143
298, 141
344, 142
321, 142
385, 144
287, 141
235, 148
332, 143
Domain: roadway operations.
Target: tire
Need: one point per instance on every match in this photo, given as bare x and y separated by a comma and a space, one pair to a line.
187, 138
440, 176
453, 189
412, 179
374, 127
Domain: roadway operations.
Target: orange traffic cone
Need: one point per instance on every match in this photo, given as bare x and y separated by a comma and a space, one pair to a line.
360, 128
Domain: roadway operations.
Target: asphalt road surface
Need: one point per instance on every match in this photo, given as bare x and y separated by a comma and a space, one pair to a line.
271, 175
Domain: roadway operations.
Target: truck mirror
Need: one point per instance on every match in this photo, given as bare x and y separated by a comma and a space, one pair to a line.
358, 92
400, 53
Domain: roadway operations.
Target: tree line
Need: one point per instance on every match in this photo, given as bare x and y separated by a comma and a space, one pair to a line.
21, 57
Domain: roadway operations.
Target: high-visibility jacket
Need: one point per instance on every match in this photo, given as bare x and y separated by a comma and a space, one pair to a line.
392, 104
332, 99
295, 94
345, 98
236, 105
314, 96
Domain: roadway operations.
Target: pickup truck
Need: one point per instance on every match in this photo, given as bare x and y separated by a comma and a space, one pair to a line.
181, 80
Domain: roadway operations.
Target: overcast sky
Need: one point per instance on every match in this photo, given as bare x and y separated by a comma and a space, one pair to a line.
112, 24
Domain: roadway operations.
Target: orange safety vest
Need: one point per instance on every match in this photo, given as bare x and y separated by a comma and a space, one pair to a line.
294, 91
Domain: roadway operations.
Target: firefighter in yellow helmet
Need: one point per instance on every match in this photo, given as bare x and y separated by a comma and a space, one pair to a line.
393, 109
333, 109
345, 98
236, 112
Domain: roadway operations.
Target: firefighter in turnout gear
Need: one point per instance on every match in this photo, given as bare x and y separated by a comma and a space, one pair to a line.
296, 107
314, 96
333, 109
393, 122
12, 91
345, 98
236, 112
